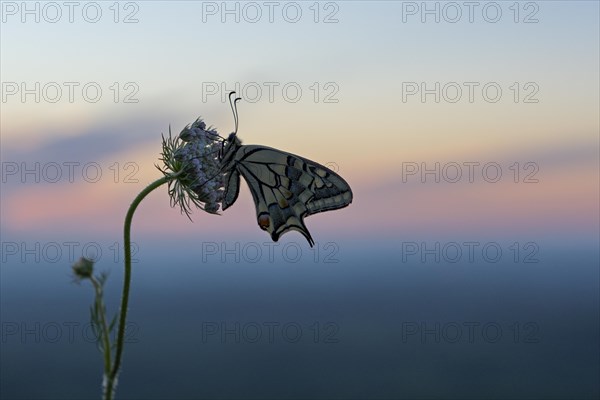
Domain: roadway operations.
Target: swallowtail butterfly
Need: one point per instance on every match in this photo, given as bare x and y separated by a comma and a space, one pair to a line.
285, 187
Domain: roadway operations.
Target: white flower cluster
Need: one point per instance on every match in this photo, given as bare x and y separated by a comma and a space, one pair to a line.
194, 158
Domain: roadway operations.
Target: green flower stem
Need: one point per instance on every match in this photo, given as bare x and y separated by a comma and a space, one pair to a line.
127, 280
106, 334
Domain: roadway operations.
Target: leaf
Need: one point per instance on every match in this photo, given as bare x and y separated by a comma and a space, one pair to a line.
112, 323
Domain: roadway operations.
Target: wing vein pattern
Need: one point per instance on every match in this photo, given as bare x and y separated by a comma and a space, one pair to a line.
285, 187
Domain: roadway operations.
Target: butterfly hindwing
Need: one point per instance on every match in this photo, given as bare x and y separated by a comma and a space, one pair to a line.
285, 188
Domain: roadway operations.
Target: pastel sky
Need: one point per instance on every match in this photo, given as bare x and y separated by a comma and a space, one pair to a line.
360, 112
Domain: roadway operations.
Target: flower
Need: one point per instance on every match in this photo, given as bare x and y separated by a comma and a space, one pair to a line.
192, 160
83, 269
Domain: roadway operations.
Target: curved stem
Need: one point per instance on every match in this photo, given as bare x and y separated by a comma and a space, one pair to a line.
127, 280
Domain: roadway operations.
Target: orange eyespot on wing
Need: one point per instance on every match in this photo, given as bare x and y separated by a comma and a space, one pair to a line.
263, 222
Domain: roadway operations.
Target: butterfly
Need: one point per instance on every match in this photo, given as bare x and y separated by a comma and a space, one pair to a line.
285, 187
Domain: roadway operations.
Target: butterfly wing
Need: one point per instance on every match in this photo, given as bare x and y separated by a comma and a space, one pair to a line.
232, 187
285, 188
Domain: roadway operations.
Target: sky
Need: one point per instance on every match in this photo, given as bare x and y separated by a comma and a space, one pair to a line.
379, 91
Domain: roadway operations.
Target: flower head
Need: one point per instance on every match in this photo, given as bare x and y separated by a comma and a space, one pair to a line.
192, 160
83, 269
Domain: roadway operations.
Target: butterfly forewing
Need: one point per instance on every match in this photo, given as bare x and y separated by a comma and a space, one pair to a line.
285, 188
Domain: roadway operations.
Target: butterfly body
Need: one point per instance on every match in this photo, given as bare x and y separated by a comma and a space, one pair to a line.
285, 187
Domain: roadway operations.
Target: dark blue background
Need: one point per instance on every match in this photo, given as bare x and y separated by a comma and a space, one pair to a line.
370, 308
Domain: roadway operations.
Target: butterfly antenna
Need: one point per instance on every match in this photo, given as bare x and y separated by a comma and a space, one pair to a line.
237, 120
233, 110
